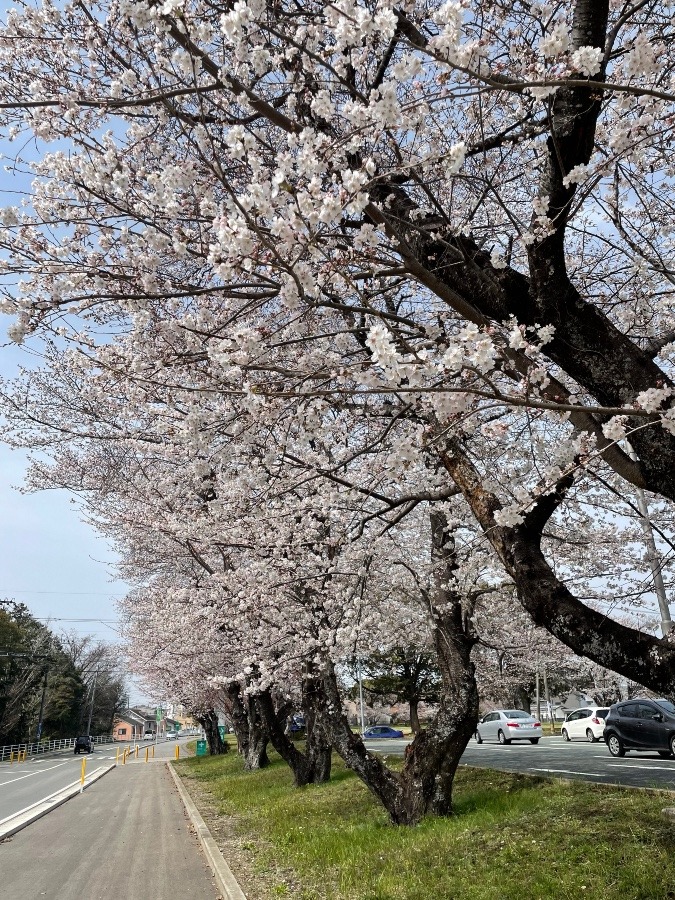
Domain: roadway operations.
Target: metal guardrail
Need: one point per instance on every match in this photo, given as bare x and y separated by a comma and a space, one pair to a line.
11, 751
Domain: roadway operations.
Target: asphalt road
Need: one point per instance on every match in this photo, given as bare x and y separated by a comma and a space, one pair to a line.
23, 784
555, 758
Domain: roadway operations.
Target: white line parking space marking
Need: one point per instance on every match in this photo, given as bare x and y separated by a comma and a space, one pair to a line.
660, 760
28, 775
635, 766
571, 772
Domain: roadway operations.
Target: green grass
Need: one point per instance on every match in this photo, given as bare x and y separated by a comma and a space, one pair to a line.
512, 838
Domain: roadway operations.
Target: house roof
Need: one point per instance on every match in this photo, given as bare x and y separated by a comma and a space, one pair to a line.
130, 717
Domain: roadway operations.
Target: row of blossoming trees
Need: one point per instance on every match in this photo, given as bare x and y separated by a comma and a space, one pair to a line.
355, 322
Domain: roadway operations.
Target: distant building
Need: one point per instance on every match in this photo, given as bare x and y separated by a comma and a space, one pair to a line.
131, 725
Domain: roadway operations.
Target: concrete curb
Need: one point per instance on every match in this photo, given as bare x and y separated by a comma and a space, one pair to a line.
35, 811
227, 883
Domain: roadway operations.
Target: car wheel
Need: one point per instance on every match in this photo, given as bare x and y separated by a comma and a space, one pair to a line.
565, 735
501, 737
615, 746
672, 744
534, 740
590, 737
479, 739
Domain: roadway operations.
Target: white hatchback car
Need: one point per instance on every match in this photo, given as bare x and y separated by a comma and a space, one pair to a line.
587, 724
506, 725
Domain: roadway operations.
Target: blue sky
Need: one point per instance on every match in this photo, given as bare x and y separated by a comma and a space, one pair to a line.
49, 559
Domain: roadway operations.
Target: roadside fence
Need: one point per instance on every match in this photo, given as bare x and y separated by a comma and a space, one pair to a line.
19, 752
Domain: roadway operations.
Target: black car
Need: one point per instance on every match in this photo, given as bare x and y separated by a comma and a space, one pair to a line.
83, 744
641, 725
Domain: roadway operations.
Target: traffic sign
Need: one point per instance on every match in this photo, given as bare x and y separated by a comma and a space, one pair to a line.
201, 748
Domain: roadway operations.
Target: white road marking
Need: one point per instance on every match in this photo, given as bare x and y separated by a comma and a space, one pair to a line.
36, 772
634, 766
571, 772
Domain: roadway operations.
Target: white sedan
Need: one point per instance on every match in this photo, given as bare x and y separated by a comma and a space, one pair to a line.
506, 725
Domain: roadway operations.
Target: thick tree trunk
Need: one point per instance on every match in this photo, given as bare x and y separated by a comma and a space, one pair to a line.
432, 761
255, 756
209, 722
251, 734
414, 716
521, 699
425, 783
314, 765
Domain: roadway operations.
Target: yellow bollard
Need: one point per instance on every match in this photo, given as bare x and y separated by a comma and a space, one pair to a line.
117, 756
153, 751
11, 757
146, 753
177, 752
124, 757
84, 766
136, 751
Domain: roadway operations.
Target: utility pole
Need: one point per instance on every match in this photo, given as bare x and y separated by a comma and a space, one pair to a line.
652, 555
38, 733
91, 708
538, 696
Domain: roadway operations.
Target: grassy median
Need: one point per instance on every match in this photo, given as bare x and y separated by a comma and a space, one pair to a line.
512, 837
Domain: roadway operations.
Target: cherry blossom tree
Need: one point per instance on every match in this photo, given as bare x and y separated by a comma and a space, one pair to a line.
353, 261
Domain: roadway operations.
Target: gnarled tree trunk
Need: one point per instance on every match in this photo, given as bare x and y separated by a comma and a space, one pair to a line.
314, 764
252, 736
209, 722
425, 783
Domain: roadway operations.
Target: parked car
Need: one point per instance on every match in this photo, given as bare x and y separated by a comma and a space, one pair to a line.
506, 725
83, 744
148, 735
381, 731
641, 725
297, 723
587, 723
171, 735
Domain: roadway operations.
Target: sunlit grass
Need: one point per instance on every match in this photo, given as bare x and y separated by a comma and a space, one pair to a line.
511, 837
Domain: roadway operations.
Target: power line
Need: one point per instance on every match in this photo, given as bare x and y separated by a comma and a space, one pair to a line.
65, 593
61, 619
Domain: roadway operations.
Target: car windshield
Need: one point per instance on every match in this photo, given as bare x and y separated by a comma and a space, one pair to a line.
516, 714
601, 713
666, 704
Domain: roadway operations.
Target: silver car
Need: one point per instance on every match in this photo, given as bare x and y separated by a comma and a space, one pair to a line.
506, 725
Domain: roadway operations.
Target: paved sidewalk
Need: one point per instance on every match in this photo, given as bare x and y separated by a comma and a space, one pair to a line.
126, 836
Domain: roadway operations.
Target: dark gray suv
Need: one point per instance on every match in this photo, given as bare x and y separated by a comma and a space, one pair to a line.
641, 725
83, 744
